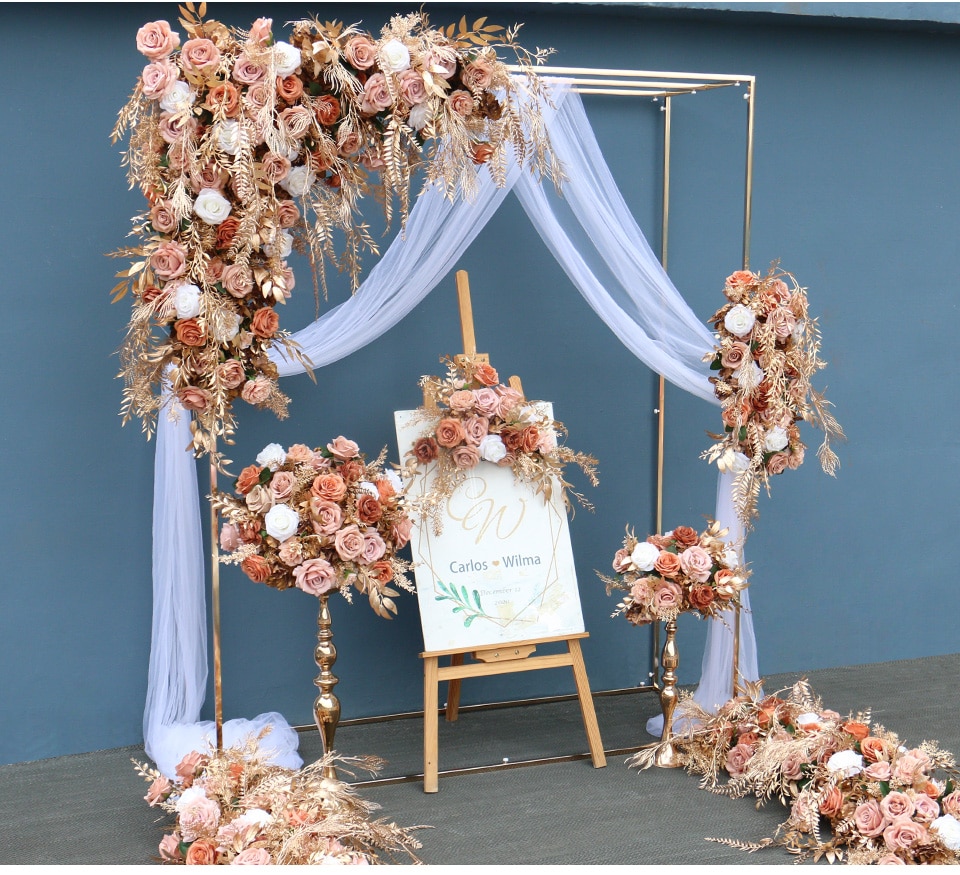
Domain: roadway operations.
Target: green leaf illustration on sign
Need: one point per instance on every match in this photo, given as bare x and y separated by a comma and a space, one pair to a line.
460, 597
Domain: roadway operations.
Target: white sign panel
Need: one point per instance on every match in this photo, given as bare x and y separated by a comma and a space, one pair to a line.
502, 568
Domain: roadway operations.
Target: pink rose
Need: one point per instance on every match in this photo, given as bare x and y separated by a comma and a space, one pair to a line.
461, 102
737, 759
440, 64
911, 765
348, 141
466, 456
879, 771
903, 833
896, 804
869, 818
297, 121
156, 40
158, 78
373, 547
253, 857
348, 543
343, 448
360, 52
412, 87
256, 391
170, 260
783, 322
229, 537
621, 561
159, 790
890, 860
162, 218
237, 280
400, 532
274, 167
777, 463
478, 74
951, 803
260, 31
461, 401
287, 214
376, 95
486, 401
735, 355
209, 176
326, 516
246, 72
315, 576
510, 400
696, 563
170, 848
198, 815
791, 767
282, 485
927, 810
231, 373
667, 598
449, 432
199, 55
194, 398
476, 428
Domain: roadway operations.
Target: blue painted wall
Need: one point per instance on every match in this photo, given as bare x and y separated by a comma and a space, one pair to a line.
856, 190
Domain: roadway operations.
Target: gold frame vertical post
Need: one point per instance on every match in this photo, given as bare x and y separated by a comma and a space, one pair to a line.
215, 605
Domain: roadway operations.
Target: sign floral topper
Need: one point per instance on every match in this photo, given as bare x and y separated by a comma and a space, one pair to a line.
247, 146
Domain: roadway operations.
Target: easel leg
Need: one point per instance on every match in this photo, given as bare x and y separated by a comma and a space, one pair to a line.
430, 724
586, 705
453, 691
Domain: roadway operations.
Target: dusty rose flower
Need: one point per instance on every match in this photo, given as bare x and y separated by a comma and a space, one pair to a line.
373, 547
170, 848
485, 401
476, 428
737, 759
858, 730
231, 373
701, 597
287, 214
274, 167
621, 560
188, 767
162, 218
510, 400
412, 86
348, 543
478, 74
265, 323
530, 439
260, 31
194, 398
348, 141
667, 598
343, 448
890, 860
951, 803
792, 768
315, 576
256, 568
290, 88
903, 833
869, 818
926, 810
735, 355
369, 509
297, 121
351, 471
158, 78
879, 771
237, 280
795, 459
360, 52
159, 790
329, 486
170, 260
668, 564
325, 516
512, 439
257, 390
486, 375
199, 55
425, 450
450, 432
202, 852
461, 401
249, 477
777, 463
466, 456
246, 72
911, 765
156, 40
461, 102
253, 857
376, 95
326, 109
282, 485
897, 804
229, 537
400, 532
440, 63
832, 803
696, 563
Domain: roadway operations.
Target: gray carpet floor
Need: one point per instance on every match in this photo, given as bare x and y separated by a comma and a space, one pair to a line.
88, 808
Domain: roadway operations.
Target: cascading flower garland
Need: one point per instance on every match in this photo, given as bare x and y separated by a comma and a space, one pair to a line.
247, 146
882, 801
471, 419
320, 520
679, 571
767, 353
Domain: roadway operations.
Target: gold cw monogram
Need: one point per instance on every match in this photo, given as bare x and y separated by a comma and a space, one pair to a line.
480, 514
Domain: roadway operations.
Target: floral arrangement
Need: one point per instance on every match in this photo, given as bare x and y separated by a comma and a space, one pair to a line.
768, 351
320, 520
883, 802
246, 146
471, 419
232, 808
676, 572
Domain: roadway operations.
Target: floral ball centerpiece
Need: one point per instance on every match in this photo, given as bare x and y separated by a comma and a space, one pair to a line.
474, 419
319, 520
683, 570
768, 350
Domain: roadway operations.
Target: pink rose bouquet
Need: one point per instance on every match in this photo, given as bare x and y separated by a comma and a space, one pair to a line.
319, 520
680, 571
768, 350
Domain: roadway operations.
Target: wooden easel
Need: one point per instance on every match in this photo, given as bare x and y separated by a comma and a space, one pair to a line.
503, 659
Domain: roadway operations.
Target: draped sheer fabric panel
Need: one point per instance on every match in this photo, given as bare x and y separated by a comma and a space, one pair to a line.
593, 235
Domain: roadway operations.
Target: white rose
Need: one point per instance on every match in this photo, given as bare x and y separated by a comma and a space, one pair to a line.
211, 206
732, 462
190, 796
228, 136
419, 116
286, 58
178, 98
254, 817
775, 440
282, 245
798, 331
739, 320
492, 448
298, 181
749, 375
272, 456
807, 718
394, 56
225, 329
367, 486
393, 478
281, 522
187, 301
947, 829
730, 559
644, 555
847, 761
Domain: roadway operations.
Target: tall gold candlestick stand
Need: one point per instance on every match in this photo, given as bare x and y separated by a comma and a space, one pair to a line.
326, 707
667, 757
215, 603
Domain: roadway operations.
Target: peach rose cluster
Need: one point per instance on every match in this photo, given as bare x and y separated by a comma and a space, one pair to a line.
682, 570
316, 519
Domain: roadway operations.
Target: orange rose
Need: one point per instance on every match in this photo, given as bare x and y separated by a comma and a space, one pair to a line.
701, 597
770, 708
385, 489
486, 375
190, 332
249, 477
226, 231
740, 278
685, 536
351, 471
873, 749
265, 323
381, 571
530, 438
425, 450
226, 95
512, 439
668, 564
832, 804
748, 738
729, 414
368, 509
858, 730
289, 88
256, 568
481, 153
327, 110
329, 487
202, 852
450, 433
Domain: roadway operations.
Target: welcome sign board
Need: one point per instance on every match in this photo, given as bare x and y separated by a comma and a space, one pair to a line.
501, 569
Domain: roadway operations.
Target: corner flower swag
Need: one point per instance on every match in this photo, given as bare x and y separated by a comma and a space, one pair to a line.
319, 520
232, 808
472, 418
883, 802
768, 351
678, 572
247, 146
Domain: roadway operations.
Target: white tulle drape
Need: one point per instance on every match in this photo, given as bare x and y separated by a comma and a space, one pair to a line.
593, 235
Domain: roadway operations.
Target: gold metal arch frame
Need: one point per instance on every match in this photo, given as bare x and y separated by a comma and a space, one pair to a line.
585, 80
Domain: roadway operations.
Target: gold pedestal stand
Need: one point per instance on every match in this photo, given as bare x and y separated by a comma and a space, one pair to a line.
665, 755
326, 707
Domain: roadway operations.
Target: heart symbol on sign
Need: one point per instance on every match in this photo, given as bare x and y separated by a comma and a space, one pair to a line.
496, 561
